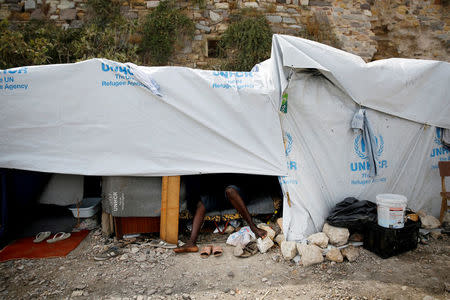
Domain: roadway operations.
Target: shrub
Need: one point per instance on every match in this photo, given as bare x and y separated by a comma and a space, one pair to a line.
247, 41
161, 29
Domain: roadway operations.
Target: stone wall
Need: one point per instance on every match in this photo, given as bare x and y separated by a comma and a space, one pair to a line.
371, 29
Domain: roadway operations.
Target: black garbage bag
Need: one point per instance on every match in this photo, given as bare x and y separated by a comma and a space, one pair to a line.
353, 214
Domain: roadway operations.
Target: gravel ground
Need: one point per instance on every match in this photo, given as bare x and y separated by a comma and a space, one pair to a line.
144, 272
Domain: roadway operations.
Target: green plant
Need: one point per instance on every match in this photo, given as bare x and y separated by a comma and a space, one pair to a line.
105, 12
247, 41
161, 29
321, 32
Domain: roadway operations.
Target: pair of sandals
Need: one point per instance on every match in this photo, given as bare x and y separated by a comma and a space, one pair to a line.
41, 236
210, 249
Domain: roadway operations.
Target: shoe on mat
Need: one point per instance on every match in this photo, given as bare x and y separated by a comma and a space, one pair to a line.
59, 237
41, 236
107, 254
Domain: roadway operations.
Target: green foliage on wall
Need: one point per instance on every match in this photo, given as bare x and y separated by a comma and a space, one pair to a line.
160, 31
246, 42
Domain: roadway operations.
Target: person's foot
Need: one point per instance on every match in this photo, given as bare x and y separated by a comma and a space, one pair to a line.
188, 247
259, 232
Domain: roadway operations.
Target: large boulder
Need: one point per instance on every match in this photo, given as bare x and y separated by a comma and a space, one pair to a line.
319, 239
337, 236
334, 255
429, 222
351, 253
288, 249
310, 254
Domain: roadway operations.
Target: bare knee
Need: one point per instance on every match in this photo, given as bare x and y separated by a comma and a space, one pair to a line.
231, 193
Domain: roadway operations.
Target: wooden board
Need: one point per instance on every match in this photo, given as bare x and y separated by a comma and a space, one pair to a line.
170, 208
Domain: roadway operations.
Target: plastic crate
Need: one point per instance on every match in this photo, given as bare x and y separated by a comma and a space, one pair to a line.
387, 242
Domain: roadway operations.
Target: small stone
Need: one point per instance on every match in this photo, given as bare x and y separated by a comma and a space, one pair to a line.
141, 258
436, 234
238, 251
288, 249
170, 285
151, 4
404, 288
186, 297
351, 253
30, 5
20, 267
335, 255
279, 238
270, 232
264, 244
215, 17
203, 27
134, 250
168, 292
319, 239
80, 286
264, 279
124, 257
77, 293
151, 292
232, 292
230, 274
280, 220
337, 236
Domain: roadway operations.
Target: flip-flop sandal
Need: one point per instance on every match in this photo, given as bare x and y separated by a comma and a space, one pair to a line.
206, 251
109, 253
186, 249
41, 236
162, 244
217, 251
59, 237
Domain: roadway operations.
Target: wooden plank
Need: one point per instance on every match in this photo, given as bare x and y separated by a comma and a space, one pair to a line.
164, 192
107, 229
170, 208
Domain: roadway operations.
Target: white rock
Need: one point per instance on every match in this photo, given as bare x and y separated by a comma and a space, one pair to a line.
279, 238
280, 223
264, 244
77, 294
429, 222
335, 255
337, 236
134, 250
151, 4
319, 239
288, 249
310, 254
251, 4
222, 5
270, 232
351, 253
215, 17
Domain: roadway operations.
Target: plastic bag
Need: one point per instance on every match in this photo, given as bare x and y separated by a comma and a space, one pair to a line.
353, 214
241, 237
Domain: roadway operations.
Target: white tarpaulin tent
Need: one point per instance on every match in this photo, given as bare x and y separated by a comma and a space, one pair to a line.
100, 117
327, 160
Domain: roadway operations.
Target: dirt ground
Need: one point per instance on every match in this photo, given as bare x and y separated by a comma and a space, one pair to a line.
143, 272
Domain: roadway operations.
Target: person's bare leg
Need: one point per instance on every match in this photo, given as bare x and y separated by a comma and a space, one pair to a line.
237, 202
196, 225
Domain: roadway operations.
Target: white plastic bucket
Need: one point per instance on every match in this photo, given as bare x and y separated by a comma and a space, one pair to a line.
391, 210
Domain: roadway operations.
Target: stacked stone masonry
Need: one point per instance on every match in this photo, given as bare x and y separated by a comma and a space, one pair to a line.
368, 28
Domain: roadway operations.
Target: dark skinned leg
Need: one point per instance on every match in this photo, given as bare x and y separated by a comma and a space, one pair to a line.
237, 202
191, 245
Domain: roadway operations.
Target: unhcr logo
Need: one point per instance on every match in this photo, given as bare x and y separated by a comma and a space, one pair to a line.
440, 150
361, 150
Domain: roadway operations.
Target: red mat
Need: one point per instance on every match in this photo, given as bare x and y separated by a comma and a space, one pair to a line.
25, 248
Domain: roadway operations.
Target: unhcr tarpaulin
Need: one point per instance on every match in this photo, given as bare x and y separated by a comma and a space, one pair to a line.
327, 160
95, 118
